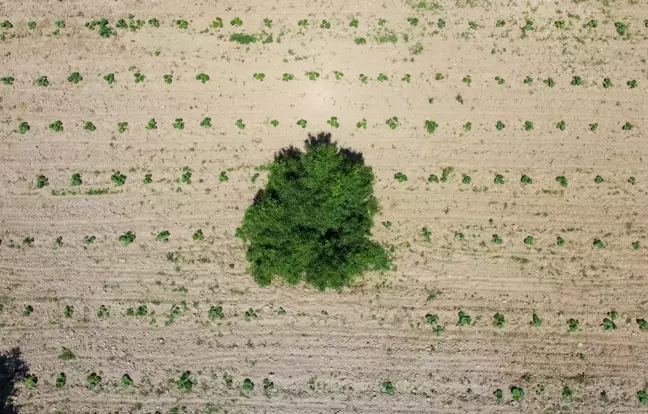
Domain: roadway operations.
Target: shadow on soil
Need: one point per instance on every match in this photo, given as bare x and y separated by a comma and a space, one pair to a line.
13, 369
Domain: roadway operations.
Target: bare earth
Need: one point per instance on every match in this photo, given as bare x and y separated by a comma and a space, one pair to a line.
330, 352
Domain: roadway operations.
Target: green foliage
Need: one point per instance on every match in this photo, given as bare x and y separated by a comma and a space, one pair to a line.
431, 126
517, 393
607, 83
608, 324
392, 122
139, 77
567, 394
242, 38
325, 25
465, 179
528, 240
591, 24
643, 324
7, 80
387, 224
363, 78
28, 310
333, 122
126, 380
103, 312
525, 179
499, 179
248, 385
313, 75
431, 319
576, 81
66, 355
89, 240
561, 125
338, 75
148, 178
459, 237
142, 310
127, 238
154, 22
178, 123
93, 380
31, 25
528, 80
407, 78
360, 41
250, 314
302, 123
206, 123
549, 82
259, 76
400, 177
560, 242
632, 83
182, 24
632, 180
464, 319
388, 387
302, 23
75, 78
642, 396
500, 126
163, 236
499, 320
6, 24
176, 312
59, 241
89, 126
61, 379
473, 25
216, 312
562, 180
362, 124
441, 24
598, 179
203, 77
382, 77
572, 325
268, 386
593, 127
266, 22
118, 178
105, 30
621, 28
560, 24
627, 126
445, 173
122, 126
274, 123
426, 234
222, 177
499, 395
288, 77
56, 126
636, 245
60, 24
468, 126
152, 124
467, 80
41, 181
599, 244
186, 382
198, 235
312, 222
168, 79
536, 321
236, 22
240, 124
30, 381
497, 239
68, 311
499, 80
28, 241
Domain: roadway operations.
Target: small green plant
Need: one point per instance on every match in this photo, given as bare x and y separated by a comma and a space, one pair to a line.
59, 241
562, 180
28, 241
127, 238
576, 81
154, 22
392, 122
6, 24
118, 178
216, 312
242, 38
549, 82
382, 77
431, 126
362, 124
222, 177
387, 224
302, 123
426, 234
250, 314
217, 23
431, 319
627, 126
439, 76
325, 25
312, 75
30, 381
499, 80
517, 393
528, 80
400, 177
56, 126
536, 321
178, 123
61, 380
268, 386
388, 387
152, 124
528, 125
75, 78
338, 75
139, 77
643, 324
259, 76
525, 179
499, 395
608, 324
274, 123
467, 126
473, 25
441, 24
66, 355
528, 240
572, 325
560, 24
206, 122
567, 394
248, 385
500, 125
621, 28
407, 78
182, 24
465, 179
68, 311
103, 312
598, 179
333, 121
560, 242
302, 23
464, 319
148, 178
528, 25
93, 380
163, 236
433, 179
28, 310
7, 80
239, 124
607, 83
467, 80
142, 310
497, 239
288, 77
499, 179
168, 79
632, 180
592, 24
198, 235
642, 396
632, 84
360, 41
89, 126
266, 22
413, 21
31, 25
598, 244
636, 245
500, 23
499, 320
593, 127
126, 380
202, 77
561, 125
89, 240
186, 382
41, 181
445, 174
121, 127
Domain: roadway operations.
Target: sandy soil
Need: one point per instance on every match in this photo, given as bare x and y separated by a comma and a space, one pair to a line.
330, 352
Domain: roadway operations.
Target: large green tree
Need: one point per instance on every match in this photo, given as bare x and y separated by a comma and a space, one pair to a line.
312, 221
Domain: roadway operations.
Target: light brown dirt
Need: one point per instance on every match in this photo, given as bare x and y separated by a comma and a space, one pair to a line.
331, 351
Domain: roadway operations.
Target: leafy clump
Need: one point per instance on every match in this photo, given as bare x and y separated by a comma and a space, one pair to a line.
392, 122
61, 379
388, 387
75, 78
206, 123
185, 382
302, 123
536, 321
242, 38
499, 179
572, 325
525, 179
248, 385
517, 393
41, 181
562, 180
240, 124
312, 222
598, 243
178, 123
431, 126
126, 380
400, 177
216, 312
7, 80
23, 128
118, 178
56, 126
464, 319
163, 236
142, 310
333, 122
198, 235
203, 77
42, 81
93, 380
30, 381
127, 238
66, 355
122, 126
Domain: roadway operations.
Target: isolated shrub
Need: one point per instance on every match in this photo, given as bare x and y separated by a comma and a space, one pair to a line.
312, 222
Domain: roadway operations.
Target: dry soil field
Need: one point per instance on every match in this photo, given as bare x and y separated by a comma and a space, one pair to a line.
477, 71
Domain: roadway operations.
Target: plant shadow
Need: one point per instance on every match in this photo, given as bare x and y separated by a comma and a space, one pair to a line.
13, 369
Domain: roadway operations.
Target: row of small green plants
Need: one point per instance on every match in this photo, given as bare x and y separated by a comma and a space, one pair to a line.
393, 123
139, 77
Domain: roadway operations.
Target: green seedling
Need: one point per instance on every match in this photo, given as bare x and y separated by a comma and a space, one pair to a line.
433, 179
431, 319
23, 128
632, 84
598, 179
381, 22
302, 123
459, 237
387, 224
362, 124
560, 24
29, 309
186, 382
302, 23
178, 123
407, 78
182, 24
31, 25
242, 38
325, 25
110, 78
222, 177
549, 82
621, 28
388, 387
499, 179
89, 126
139, 77
312, 75
288, 77
93, 380
203, 77
68, 311
528, 25
608, 324
572, 325
66, 355
152, 124
497, 239
598, 244
500, 125
498, 320
268, 386
528, 240
431, 126
499, 80
89, 240
30, 381
60, 24
560, 242
592, 24
500, 23
392, 122
636, 245
499, 395
382, 77
58, 242
126, 380
236, 22
75, 78
632, 180
168, 79
528, 125
445, 174
274, 123
593, 127
127, 238
217, 23
567, 394
61, 380
607, 83
259, 76
248, 385
154, 22
6, 24
517, 393
464, 319
148, 178
439, 76
467, 126
465, 179
561, 125
360, 41
441, 24
122, 126
206, 123
400, 177
105, 30
426, 234
250, 314
576, 81
56, 126
266, 22
338, 75
142, 310
7, 80
28, 241
198, 235
643, 324
176, 312
525, 179
333, 122
473, 25
413, 21
642, 396
627, 126
467, 80
103, 312
163, 236
536, 321
118, 178
562, 180
216, 312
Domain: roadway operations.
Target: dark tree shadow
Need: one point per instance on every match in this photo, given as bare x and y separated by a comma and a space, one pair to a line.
13, 369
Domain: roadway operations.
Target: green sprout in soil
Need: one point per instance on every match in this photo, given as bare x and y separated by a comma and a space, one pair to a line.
103, 312
526, 179
182, 24
333, 122
29, 309
426, 234
206, 123
528, 80
353, 23
198, 235
6, 24
56, 126
598, 179
66, 354
142, 310
621, 27
632, 180
593, 127
302, 23
302, 123
607, 83
433, 179
517, 393
392, 122
250, 314
148, 178
608, 323
163, 236
30, 381
89, 126
431, 126
549, 82
178, 123
464, 319
387, 224
28, 241
643, 324
445, 174
93, 380
467, 126
497, 239
274, 123
388, 387
598, 244
216, 312
61, 380
528, 240
572, 325
407, 78
499, 395
400, 177
363, 78
360, 41
562, 180
242, 38
636, 245
439, 76
176, 312
203, 77
58, 242
217, 23
632, 83
118, 178
126, 380
222, 177
105, 30
154, 22
466, 179
338, 75
576, 81
627, 126
259, 76
498, 320
567, 394
312, 75
280, 227
248, 385
68, 311
152, 124
500, 125
560, 242
127, 238
239, 124
382, 77
536, 321
499, 80
467, 80
139, 77
268, 386
499, 179
186, 382
75, 78
441, 23
7, 80
288, 77
89, 240
431, 319
459, 237
642, 396
561, 125
362, 124
266, 22
560, 24
41, 181
528, 25
473, 25
121, 127
591, 24
325, 25
168, 79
